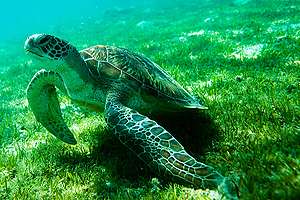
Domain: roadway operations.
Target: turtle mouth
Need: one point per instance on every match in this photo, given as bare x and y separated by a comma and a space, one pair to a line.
32, 52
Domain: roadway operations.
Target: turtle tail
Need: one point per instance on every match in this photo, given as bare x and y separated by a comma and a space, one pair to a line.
43, 101
159, 149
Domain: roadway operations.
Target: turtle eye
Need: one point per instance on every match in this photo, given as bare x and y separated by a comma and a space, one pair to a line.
44, 40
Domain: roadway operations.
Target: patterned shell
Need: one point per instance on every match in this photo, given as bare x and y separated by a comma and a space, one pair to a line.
118, 63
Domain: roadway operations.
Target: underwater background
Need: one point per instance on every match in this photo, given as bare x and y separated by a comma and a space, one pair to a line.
241, 57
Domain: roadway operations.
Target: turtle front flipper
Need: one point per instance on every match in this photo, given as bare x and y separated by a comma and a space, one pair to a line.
43, 101
159, 149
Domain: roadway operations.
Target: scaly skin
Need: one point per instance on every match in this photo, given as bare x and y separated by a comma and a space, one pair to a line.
159, 149
42, 99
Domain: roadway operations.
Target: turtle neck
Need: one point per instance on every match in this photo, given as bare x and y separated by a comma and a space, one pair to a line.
75, 61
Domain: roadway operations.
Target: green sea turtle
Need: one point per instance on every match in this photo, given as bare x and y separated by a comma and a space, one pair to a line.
126, 86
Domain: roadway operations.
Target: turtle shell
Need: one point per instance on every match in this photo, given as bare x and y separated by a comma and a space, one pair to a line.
123, 65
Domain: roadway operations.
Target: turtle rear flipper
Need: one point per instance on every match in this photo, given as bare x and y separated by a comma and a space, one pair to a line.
43, 101
158, 148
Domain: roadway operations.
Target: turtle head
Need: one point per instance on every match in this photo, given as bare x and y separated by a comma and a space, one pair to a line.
56, 51
48, 46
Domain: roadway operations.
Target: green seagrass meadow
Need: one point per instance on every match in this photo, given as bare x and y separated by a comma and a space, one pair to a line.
241, 59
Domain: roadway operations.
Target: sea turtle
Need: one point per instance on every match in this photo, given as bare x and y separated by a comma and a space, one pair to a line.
127, 86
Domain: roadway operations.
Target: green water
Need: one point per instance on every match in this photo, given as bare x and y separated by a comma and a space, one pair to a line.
241, 57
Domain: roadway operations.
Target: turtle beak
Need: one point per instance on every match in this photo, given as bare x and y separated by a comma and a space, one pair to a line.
28, 43
30, 47
32, 52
